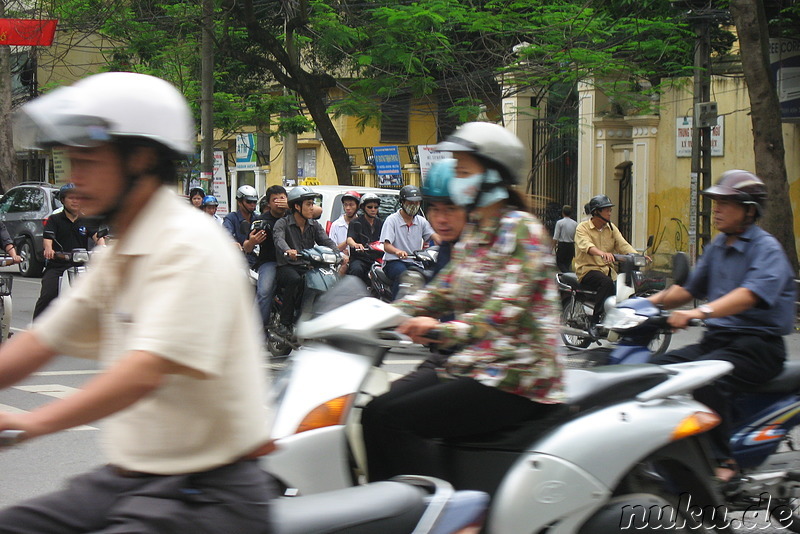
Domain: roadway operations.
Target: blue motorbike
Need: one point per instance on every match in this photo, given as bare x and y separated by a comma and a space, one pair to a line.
766, 438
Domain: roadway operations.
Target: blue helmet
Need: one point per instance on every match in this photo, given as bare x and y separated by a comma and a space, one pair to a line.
435, 187
65, 190
210, 200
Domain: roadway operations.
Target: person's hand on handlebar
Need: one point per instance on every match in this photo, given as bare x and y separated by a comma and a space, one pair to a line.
417, 327
49, 253
292, 253
680, 319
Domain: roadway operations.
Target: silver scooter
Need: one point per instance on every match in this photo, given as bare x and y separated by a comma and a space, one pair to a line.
627, 441
404, 505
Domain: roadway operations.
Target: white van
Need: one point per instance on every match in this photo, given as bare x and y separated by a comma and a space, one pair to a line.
332, 201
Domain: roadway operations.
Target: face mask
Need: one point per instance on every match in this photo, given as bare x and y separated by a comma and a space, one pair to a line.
464, 191
412, 208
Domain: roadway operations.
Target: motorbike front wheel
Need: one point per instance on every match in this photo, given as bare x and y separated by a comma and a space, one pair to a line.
277, 347
574, 316
660, 343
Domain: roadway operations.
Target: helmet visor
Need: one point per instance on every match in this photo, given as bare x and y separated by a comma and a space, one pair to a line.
456, 144
33, 132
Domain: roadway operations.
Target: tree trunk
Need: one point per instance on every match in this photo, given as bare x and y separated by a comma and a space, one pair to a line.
8, 160
313, 89
751, 26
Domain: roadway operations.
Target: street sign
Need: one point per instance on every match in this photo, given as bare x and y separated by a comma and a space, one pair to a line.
26, 32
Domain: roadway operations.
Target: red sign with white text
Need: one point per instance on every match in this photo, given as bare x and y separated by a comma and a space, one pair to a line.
26, 32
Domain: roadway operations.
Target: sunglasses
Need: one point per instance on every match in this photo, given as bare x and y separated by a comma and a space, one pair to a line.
250, 201
371, 207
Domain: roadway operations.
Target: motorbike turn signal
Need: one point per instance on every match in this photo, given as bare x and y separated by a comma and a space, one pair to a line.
696, 423
329, 413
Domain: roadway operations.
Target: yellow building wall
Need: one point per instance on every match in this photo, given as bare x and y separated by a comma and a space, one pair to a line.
669, 198
422, 131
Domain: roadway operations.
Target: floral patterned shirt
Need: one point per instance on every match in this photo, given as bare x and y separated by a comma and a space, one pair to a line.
500, 284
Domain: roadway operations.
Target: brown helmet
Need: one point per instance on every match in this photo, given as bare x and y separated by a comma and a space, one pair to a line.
740, 186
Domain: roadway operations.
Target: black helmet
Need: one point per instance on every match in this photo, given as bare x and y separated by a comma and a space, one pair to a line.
410, 193
598, 203
195, 191
740, 186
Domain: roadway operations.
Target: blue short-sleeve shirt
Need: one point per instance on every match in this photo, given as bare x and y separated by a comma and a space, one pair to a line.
756, 261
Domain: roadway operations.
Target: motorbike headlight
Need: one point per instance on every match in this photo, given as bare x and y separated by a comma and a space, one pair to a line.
622, 319
80, 257
329, 258
315, 256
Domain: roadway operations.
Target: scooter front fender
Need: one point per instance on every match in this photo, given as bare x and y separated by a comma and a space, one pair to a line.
541, 490
570, 473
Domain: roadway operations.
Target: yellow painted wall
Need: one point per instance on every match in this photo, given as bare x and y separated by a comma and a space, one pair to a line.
422, 131
669, 200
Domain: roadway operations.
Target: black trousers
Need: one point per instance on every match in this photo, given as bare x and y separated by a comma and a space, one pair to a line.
231, 498
290, 281
360, 268
756, 359
604, 286
565, 251
50, 286
398, 425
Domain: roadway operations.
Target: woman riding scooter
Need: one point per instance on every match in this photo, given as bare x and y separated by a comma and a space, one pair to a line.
499, 283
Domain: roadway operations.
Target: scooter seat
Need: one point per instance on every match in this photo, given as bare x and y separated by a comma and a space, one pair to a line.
570, 279
788, 381
610, 383
385, 507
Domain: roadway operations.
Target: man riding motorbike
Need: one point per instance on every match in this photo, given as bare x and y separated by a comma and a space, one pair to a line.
363, 230
238, 223
749, 283
596, 242
293, 233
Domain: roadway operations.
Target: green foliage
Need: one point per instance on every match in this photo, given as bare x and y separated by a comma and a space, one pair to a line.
467, 53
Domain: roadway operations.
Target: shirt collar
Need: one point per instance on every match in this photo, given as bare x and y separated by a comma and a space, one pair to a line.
744, 238
138, 240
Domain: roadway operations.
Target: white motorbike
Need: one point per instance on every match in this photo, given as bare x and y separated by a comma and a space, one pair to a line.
6, 306
404, 505
626, 441
78, 257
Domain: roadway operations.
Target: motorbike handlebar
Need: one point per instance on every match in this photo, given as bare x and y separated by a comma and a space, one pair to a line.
9, 438
78, 255
6, 260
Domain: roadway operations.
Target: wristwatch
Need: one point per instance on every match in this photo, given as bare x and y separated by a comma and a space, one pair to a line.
707, 311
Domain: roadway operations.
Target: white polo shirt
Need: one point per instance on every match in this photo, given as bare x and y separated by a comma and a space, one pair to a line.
404, 236
158, 289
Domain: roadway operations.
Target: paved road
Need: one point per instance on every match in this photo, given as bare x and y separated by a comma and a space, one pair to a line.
43, 464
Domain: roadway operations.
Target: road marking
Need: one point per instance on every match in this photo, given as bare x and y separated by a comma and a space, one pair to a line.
76, 372
51, 390
58, 391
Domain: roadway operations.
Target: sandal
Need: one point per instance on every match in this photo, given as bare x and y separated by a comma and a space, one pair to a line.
726, 470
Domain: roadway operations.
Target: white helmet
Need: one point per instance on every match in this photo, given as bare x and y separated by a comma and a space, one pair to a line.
103, 106
491, 142
247, 192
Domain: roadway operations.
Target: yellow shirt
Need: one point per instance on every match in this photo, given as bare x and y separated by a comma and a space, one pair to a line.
172, 286
608, 239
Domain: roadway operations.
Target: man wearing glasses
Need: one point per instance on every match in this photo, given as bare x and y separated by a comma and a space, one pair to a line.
363, 230
238, 223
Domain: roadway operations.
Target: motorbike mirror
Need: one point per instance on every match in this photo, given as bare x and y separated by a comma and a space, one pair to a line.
680, 268
649, 241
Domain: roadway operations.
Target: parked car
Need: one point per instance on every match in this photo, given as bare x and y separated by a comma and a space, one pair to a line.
23, 209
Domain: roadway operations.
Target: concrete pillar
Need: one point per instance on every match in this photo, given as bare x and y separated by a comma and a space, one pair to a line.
644, 130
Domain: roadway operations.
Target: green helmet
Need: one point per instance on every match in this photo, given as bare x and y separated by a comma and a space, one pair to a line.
434, 188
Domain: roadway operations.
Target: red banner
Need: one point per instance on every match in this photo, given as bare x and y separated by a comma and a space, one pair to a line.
26, 32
